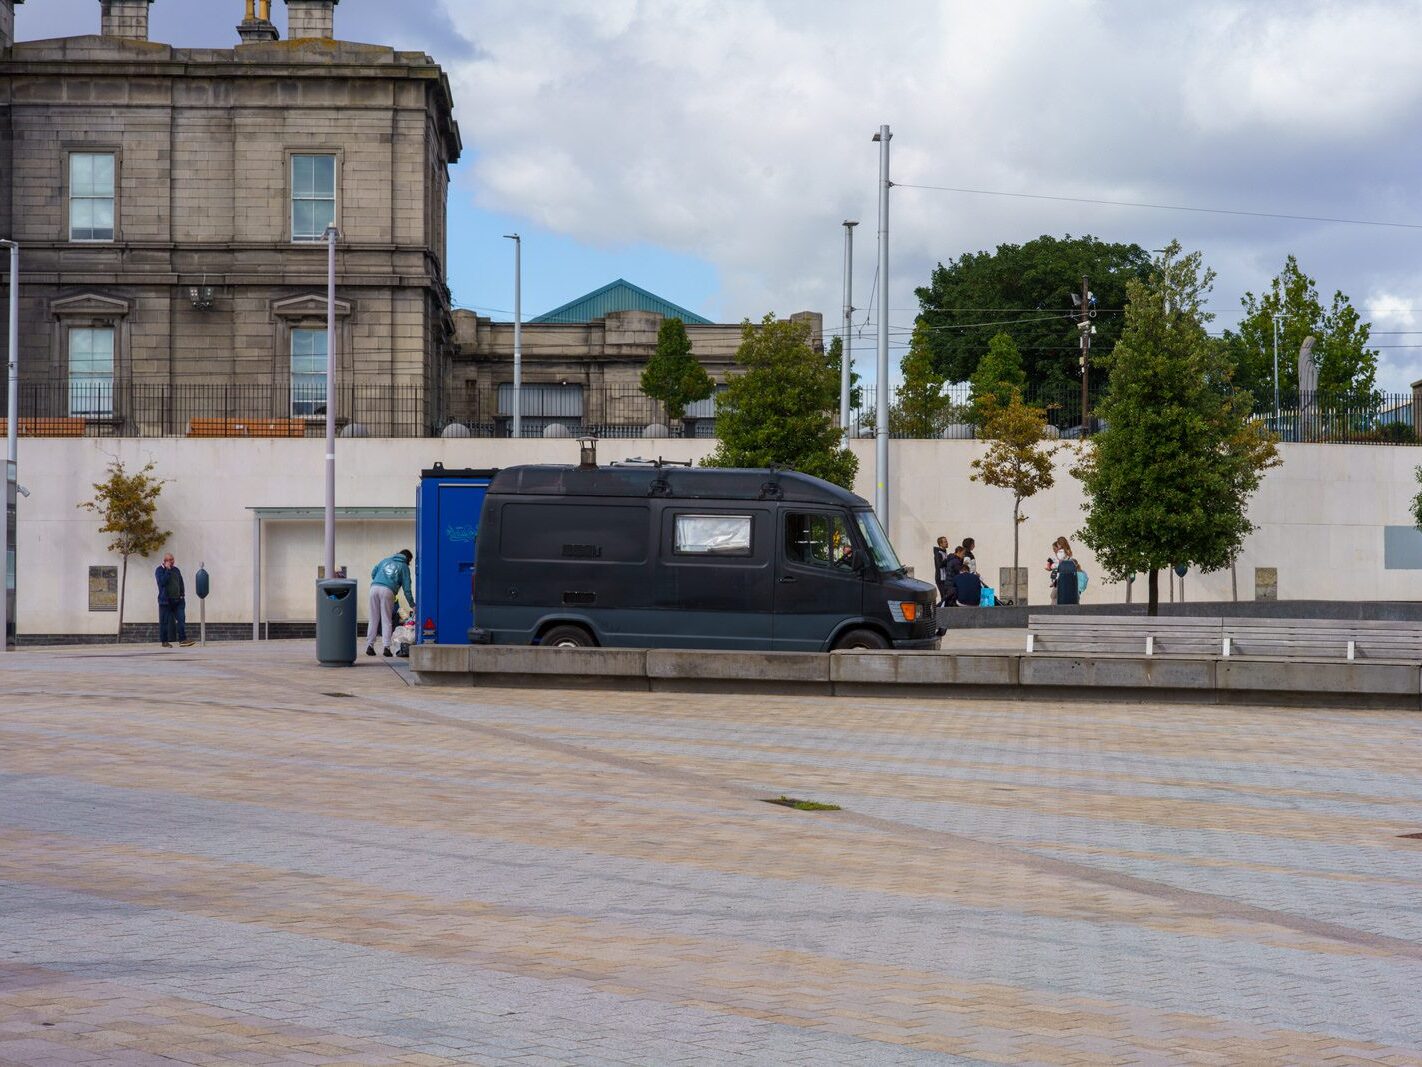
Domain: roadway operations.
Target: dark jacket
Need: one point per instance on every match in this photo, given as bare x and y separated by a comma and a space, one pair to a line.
161, 577
970, 589
940, 563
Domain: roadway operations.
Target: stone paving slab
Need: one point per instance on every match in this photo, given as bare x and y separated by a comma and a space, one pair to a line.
230, 855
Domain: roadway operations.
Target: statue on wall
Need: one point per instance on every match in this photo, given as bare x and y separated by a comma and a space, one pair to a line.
1308, 389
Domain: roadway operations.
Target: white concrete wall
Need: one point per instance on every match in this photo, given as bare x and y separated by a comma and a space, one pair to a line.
1321, 516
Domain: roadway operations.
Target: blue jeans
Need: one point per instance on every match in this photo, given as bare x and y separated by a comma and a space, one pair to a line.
172, 617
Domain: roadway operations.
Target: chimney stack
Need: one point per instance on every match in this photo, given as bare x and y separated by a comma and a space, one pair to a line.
310, 18
126, 18
7, 22
257, 26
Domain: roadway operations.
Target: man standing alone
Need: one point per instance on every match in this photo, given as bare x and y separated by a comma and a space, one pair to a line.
172, 604
390, 575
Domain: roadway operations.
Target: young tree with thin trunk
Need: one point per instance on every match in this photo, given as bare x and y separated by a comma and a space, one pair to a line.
1016, 460
673, 375
127, 503
1168, 480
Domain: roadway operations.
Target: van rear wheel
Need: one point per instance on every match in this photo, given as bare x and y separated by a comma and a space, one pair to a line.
567, 637
870, 639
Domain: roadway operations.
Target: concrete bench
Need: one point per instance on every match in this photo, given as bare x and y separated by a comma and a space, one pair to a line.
1133, 635
223, 427
64, 426
1322, 639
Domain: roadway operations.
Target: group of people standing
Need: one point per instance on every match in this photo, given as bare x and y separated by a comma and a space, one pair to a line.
955, 572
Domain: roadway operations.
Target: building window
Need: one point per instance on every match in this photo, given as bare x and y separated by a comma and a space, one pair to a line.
91, 371
91, 196
542, 405
313, 196
308, 372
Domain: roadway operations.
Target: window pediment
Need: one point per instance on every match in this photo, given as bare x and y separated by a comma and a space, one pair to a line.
307, 307
89, 305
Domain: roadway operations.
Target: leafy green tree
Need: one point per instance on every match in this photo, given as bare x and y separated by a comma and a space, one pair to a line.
1017, 460
1347, 367
999, 376
1025, 291
127, 503
673, 375
783, 409
920, 409
1168, 480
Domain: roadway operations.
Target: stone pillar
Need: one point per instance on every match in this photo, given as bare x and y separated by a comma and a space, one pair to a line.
125, 18
310, 18
7, 22
1417, 409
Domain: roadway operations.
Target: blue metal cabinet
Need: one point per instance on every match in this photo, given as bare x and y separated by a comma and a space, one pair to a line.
447, 507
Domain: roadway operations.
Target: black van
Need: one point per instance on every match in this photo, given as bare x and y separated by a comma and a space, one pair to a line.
683, 557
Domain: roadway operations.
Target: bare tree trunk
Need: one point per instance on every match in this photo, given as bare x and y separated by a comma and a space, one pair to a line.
1018, 596
1234, 578
1153, 594
123, 586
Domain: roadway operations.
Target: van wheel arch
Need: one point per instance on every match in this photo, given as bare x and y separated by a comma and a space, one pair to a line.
566, 635
861, 636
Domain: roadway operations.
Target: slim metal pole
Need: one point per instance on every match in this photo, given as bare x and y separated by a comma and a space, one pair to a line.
331, 235
518, 335
844, 361
881, 408
1085, 329
9, 572
1277, 317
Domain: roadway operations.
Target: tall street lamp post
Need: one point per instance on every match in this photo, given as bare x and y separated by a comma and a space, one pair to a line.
844, 360
8, 526
518, 335
881, 408
331, 235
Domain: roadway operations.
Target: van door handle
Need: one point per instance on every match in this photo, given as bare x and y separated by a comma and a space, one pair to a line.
785, 578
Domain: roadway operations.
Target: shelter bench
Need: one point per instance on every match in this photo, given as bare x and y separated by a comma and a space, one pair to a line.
62, 426
229, 427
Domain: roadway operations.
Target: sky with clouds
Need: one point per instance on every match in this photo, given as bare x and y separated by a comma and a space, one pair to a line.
709, 150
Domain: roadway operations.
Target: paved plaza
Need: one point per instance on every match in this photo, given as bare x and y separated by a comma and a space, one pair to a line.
230, 855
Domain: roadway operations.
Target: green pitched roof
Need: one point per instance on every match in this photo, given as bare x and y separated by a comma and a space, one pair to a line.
620, 295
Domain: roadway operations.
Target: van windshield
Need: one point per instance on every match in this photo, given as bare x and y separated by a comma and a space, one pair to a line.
878, 542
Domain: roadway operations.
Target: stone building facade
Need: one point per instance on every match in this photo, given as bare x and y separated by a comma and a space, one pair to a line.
582, 376
171, 205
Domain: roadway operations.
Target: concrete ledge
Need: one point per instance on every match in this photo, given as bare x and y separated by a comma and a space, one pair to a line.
575, 662
1117, 672
930, 675
1295, 676
699, 664
922, 668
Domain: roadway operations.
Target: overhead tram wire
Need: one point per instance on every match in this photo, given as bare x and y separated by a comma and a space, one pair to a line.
1164, 207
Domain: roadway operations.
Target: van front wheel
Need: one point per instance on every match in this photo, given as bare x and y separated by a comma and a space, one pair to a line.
870, 639
567, 637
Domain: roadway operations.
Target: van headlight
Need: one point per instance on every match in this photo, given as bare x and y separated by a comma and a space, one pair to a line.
904, 610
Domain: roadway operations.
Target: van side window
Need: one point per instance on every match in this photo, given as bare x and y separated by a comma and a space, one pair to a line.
818, 541
712, 535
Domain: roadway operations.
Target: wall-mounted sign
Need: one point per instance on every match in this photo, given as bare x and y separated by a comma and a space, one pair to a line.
103, 589
1266, 583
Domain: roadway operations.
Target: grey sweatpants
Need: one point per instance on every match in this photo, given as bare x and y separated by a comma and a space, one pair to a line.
382, 615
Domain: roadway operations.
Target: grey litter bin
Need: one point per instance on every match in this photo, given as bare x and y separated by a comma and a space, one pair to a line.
336, 622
